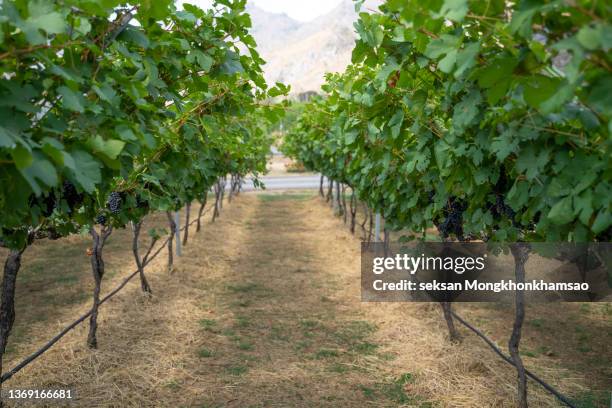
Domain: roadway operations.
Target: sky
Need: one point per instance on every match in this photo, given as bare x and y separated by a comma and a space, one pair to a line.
301, 10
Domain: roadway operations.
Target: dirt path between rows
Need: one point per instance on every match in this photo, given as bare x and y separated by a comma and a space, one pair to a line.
264, 310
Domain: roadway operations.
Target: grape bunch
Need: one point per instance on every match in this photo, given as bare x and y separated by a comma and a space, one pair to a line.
502, 209
114, 202
48, 204
453, 220
101, 219
71, 195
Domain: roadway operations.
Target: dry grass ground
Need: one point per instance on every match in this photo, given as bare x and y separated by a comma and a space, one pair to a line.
264, 310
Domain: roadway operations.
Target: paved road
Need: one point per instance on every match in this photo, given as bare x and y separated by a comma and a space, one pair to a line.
285, 183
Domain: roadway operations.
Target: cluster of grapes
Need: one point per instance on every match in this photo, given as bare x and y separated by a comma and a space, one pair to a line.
453, 220
502, 209
114, 206
71, 195
47, 204
52, 200
114, 202
101, 219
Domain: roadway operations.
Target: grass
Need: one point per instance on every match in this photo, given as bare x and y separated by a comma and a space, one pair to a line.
278, 332
592, 399
205, 353
537, 323
302, 345
393, 390
338, 368
243, 303
245, 345
308, 324
310, 343
365, 348
243, 321
326, 353
208, 324
173, 385
237, 370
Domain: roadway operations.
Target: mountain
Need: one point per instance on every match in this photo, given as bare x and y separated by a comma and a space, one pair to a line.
269, 27
300, 53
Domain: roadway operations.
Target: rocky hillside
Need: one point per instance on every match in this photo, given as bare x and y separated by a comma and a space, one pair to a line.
299, 53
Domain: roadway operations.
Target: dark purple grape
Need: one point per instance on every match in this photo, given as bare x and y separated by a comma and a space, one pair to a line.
48, 204
101, 219
114, 202
71, 195
453, 219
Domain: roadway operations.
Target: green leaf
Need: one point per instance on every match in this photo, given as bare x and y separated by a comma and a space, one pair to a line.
369, 31
539, 88
278, 89
518, 195
136, 36
395, 123
602, 221
466, 58
389, 67
447, 63
83, 26
441, 46
71, 100
125, 133
232, 64
350, 137
205, 61
54, 150
466, 110
106, 93
497, 70
6, 137
187, 16
153, 10
562, 212
111, 148
504, 145
86, 170
531, 161
66, 73
40, 171
495, 93
22, 157
51, 23
562, 94
590, 37
454, 10
600, 97
583, 205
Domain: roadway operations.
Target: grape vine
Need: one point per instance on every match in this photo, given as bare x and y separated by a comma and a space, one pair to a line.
486, 119
113, 110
